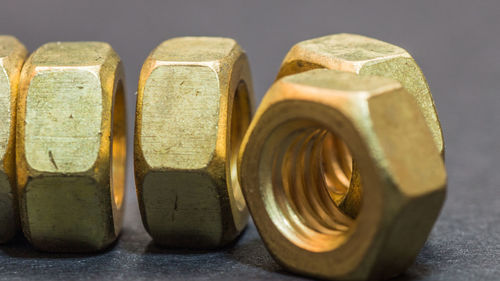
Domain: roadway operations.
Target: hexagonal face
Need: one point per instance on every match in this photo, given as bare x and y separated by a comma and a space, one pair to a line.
12, 56
180, 117
5, 113
283, 177
65, 121
366, 56
188, 203
186, 92
71, 217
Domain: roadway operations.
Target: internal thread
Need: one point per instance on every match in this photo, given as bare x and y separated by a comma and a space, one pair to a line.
336, 167
315, 173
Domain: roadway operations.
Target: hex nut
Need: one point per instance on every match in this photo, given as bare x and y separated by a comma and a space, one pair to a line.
12, 56
366, 56
285, 184
193, 106
71, 146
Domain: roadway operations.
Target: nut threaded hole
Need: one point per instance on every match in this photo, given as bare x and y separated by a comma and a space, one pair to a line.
311, 174
336, 166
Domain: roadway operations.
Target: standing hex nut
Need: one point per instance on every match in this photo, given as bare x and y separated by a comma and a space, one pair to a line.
366, 56
193, 107
285, 179
71, 146
12, 56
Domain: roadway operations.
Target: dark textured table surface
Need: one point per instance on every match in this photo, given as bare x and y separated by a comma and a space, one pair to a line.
455, 42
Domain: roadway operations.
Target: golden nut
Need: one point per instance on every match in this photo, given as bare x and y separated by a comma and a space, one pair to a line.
366, 56
286, 168
12, 56
193, 107
71, 146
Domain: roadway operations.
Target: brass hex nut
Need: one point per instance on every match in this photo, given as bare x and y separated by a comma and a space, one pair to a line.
284, 175
71, 146
193, 107
366, 56
12, 56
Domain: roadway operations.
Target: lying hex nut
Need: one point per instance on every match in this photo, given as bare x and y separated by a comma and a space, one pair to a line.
193, 107
71, 146
12, 56
284, 177
366, 56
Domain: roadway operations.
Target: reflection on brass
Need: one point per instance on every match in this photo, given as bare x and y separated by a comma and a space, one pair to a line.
294, 160
193, 107
12, 56
71, 146
364, 56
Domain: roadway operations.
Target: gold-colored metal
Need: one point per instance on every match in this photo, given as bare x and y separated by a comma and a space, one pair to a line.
287, 170
71, 146
364, 56
12, 56
193, 107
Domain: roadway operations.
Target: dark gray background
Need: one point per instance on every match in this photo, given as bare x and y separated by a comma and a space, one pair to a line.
456, 44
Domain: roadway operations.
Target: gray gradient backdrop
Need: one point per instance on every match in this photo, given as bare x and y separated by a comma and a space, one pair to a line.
455, 42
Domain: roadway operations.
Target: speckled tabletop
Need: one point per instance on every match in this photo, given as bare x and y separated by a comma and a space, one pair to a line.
454, 41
